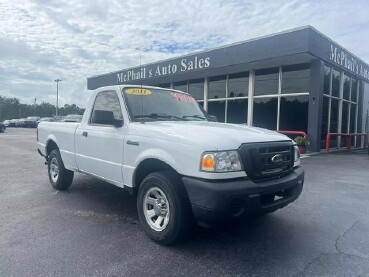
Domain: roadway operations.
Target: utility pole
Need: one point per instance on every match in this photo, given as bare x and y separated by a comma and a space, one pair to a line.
57, 94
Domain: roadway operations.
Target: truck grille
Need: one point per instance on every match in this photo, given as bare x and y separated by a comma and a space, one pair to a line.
267, 160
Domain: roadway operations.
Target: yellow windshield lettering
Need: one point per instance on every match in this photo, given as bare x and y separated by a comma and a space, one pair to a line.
138, 91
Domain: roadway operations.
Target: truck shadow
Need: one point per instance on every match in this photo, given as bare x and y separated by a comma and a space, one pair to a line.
113, 202
256, 244
103, 198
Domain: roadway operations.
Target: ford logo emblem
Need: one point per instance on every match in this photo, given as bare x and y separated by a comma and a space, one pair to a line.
276, 159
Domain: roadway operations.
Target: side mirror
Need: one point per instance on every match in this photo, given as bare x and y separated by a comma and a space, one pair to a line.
118, 123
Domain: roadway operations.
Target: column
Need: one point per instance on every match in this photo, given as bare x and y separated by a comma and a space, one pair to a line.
250, 108
315, 104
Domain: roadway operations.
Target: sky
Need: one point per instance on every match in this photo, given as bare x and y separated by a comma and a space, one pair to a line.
41, 41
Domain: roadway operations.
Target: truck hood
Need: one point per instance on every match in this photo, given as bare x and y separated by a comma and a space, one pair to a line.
212, 135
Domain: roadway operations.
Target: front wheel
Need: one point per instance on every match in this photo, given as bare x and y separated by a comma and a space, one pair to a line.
2, 129
60, 177
163, 207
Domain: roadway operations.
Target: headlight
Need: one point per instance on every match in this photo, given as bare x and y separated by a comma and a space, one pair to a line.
224, 161
297, 154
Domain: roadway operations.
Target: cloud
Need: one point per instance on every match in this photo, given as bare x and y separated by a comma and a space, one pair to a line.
72, 40
13, 49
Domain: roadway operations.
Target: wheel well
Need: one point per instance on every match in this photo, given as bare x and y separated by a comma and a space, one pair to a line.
51, 145
146, 167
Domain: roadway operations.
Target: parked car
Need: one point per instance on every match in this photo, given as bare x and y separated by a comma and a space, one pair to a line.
2, 127
20, 123
45, 119
12, 123
6, 123
157, 143
31, 122
72, 118
58, 118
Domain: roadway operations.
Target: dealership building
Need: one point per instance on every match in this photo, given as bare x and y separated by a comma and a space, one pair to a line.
298, 80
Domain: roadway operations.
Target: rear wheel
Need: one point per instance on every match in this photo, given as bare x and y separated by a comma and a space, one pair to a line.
2, 129
60, 177
163, 207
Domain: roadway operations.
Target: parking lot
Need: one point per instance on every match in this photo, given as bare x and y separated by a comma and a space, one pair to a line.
93, 229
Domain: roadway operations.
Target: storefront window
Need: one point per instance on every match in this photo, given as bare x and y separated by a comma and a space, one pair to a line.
182, 86
354, 87
335, 83
327, 80
294, 113
265, 112
167, 85
295, 78
353, 118
325, 120
345, 114
196, 89
237, 111
217, 108
334, 115
266, 81
346, 87
334, 121
238, 85
332, 106
217, 87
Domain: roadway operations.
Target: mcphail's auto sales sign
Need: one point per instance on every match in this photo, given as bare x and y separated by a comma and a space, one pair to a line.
344, 59
163, 69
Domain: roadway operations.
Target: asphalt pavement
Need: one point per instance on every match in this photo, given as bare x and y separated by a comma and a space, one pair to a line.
93, 229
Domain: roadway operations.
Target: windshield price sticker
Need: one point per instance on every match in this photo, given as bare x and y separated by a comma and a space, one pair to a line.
183, 98
138, 91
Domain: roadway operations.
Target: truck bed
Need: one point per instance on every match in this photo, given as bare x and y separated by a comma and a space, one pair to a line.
63, 134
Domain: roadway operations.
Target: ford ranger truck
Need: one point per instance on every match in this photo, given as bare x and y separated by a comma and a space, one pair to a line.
158, 144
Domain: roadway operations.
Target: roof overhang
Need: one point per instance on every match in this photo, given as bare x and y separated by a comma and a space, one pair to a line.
291, 47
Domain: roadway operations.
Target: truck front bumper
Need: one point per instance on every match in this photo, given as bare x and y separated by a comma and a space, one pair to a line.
215, 200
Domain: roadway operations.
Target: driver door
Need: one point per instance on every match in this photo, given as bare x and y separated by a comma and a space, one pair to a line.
99, 144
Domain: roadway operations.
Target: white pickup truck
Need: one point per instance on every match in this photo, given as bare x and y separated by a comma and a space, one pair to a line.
159, 144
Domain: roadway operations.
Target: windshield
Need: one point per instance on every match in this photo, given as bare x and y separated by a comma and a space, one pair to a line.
156, 104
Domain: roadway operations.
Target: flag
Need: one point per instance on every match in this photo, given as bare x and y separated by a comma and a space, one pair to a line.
35, 100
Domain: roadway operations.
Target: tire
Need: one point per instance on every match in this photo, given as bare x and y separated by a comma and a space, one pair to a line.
163, 194
60, 178
2, 129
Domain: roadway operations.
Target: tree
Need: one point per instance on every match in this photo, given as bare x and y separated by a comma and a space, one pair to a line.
11, 108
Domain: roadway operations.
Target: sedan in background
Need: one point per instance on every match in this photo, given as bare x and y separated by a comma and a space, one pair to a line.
12, 123
6, 123
31, 122
72, 118
20, 122
2, 127
46, 119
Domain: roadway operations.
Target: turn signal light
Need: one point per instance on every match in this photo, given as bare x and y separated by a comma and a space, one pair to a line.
208, 162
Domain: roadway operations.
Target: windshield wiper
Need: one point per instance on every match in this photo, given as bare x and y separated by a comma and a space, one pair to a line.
194, 116
159, 115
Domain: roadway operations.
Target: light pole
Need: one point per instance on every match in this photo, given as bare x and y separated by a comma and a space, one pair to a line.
57, 94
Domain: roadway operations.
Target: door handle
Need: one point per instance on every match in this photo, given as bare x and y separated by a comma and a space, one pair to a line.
84, 134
